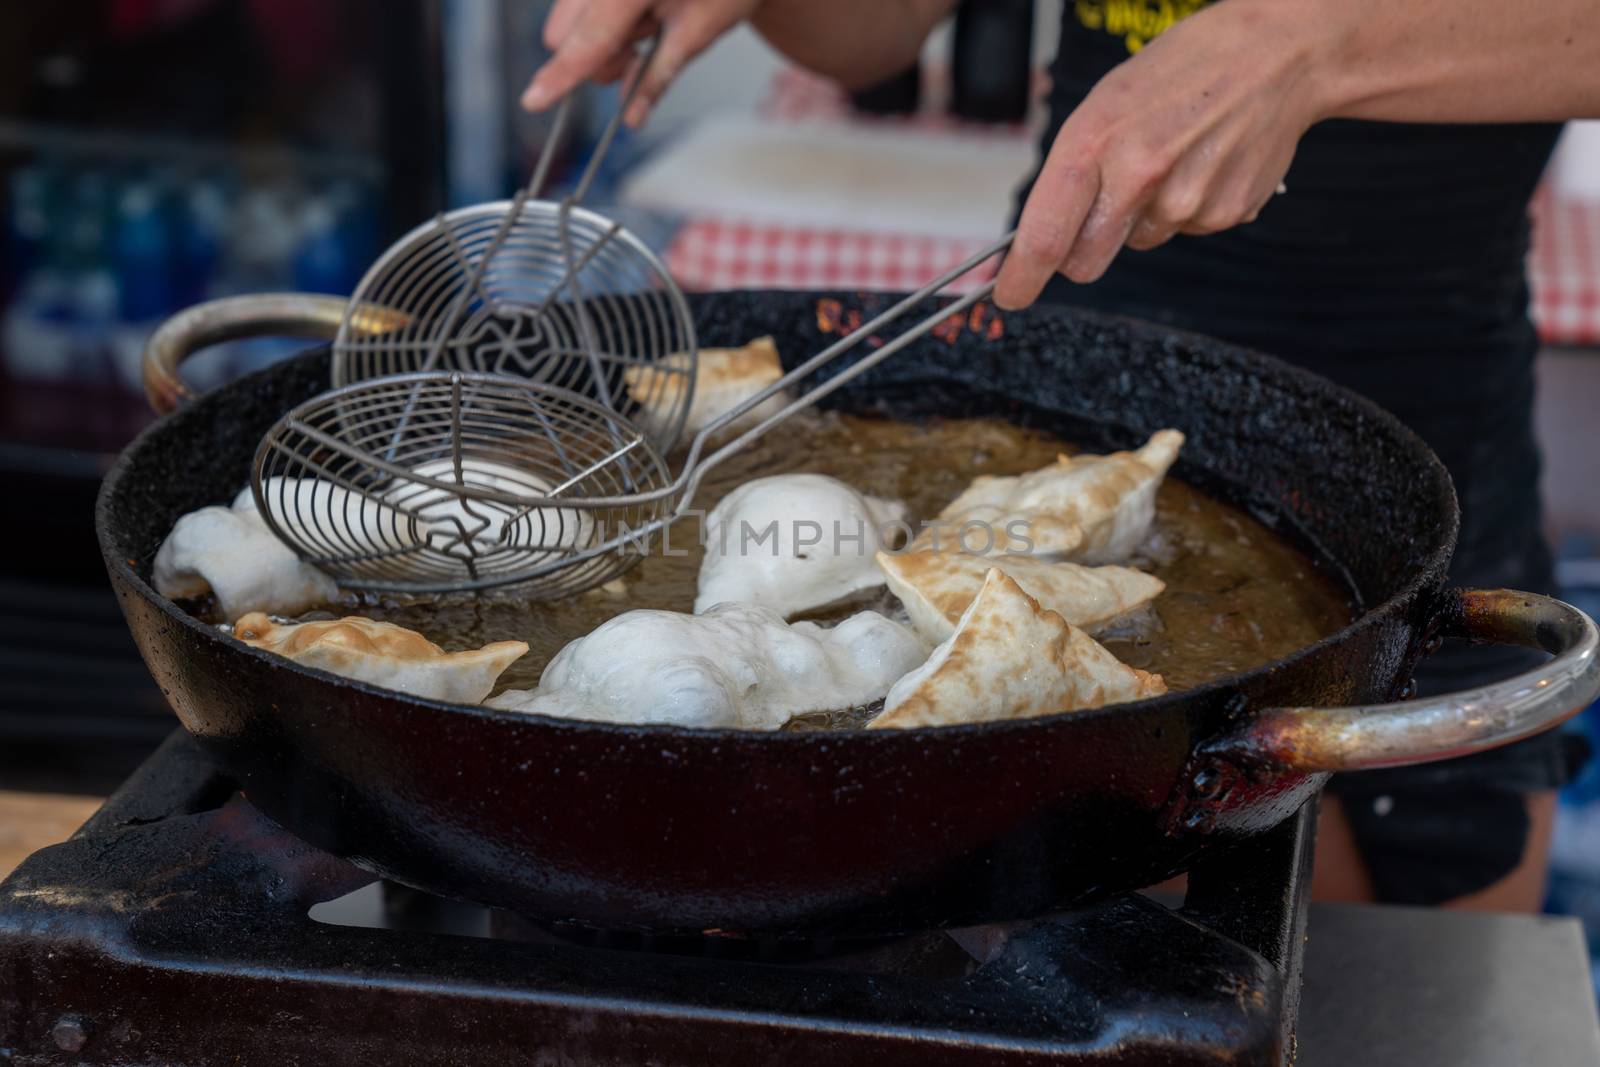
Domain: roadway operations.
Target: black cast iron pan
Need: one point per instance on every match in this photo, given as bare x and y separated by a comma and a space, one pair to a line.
865, 833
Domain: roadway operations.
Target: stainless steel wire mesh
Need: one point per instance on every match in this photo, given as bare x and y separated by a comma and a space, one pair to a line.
538, 289
544, 291
429, 482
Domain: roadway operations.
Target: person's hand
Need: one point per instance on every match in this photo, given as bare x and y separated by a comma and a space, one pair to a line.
594, 39
1192, 135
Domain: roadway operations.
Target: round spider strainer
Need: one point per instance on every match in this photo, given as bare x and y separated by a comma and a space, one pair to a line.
430, 482
537, 289
533, 289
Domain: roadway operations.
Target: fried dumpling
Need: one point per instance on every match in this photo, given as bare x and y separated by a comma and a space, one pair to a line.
936, 587
1089, 508
737, 665
230, 553
995, 529
1009, 658
384, 654
723, 378
487, 530
793, 542
339, 522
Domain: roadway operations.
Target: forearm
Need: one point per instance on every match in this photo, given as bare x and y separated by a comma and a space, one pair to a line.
854, 42
1456, 60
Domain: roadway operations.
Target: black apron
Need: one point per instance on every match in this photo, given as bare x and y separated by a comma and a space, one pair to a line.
1393, 265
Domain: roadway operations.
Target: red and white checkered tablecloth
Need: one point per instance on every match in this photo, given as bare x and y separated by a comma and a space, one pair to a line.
725, 253
1564, 269
728, 254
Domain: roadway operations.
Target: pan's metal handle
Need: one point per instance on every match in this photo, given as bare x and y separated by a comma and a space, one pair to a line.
1312, 740
257, 315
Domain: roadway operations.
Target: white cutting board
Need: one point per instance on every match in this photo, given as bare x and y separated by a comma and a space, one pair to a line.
868, 176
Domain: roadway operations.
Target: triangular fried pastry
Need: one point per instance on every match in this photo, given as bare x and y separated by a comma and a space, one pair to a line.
1109, 500
937, 587
723, 379
384, 654
1009, 658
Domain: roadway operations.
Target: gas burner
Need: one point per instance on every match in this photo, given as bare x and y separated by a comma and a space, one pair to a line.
181, 926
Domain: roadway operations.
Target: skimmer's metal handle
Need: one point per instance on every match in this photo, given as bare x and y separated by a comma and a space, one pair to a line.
696, 467
1312, 740
257, 315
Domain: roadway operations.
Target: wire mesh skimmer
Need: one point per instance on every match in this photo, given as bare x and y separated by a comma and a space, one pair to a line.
537, 289
440, 481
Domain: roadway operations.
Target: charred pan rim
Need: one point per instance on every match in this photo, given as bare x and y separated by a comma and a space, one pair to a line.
1429, 576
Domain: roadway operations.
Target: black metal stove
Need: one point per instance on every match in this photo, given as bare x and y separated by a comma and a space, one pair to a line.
177, 927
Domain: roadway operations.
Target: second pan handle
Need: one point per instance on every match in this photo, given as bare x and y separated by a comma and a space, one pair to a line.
1311, 740
309, 315
1259, 770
